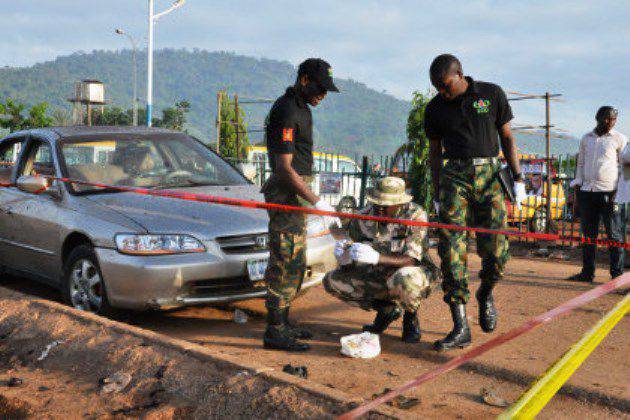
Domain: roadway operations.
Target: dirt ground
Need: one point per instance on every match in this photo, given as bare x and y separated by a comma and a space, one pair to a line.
599, 389
58, 363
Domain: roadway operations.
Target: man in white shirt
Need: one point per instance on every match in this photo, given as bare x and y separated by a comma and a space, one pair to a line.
596, 183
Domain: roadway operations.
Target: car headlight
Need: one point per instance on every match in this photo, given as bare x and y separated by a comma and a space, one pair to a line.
157, 244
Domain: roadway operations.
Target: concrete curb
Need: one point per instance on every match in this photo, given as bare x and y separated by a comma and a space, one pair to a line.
206, 354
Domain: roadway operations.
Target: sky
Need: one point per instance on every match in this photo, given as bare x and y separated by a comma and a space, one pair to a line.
578, 49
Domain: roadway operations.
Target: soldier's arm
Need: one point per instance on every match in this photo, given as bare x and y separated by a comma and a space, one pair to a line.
509, 148
397, 260
435, 157
502, 122
291, 179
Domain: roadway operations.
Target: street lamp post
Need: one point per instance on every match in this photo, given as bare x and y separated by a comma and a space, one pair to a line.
152, 19
134, 73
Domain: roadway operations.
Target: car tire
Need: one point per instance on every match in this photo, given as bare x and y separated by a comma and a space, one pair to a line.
83, 283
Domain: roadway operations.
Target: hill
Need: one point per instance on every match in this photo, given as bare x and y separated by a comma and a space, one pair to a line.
359, 120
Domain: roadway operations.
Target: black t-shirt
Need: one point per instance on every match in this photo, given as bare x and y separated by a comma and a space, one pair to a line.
290, 130
468, 125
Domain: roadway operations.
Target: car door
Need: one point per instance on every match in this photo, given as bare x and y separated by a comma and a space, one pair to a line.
9, 153
35, 236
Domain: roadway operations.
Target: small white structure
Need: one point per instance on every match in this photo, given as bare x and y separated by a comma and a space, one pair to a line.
88, 93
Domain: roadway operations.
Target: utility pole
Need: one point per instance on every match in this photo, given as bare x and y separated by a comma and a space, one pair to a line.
152, 19
134, 72
548, 97
238, 129
548, 146
150, 66
218, 121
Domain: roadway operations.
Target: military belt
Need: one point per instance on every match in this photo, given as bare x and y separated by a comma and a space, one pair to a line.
476, 161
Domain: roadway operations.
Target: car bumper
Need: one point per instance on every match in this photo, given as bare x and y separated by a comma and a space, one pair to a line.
167, 281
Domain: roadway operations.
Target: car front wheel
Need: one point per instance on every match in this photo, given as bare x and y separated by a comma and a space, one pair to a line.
83, 284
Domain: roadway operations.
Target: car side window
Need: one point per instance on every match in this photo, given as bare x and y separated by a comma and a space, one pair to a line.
38, 160
9, 153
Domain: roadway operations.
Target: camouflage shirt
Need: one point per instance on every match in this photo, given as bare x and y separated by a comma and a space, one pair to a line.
389, 238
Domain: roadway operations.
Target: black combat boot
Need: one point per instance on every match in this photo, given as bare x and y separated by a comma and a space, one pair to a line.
411, 327
294, 330
387, 313
277, 335
487, 311
460, 335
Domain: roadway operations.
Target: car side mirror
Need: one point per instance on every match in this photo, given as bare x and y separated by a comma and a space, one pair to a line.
38, 185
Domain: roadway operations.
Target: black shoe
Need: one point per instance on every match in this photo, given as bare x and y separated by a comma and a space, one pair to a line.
581, 277
387, 313
277, 335
487, 311
411, 328
459, 337
294, 330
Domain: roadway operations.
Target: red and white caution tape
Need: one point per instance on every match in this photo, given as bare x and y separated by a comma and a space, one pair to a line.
576, 302
281, 207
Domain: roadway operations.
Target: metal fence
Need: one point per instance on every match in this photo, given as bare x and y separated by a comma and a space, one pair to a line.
343, 182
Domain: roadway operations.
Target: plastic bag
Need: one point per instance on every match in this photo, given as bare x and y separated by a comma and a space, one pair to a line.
363, 346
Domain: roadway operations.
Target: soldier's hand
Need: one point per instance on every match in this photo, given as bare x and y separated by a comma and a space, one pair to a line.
342, 252
329, 221
363, 253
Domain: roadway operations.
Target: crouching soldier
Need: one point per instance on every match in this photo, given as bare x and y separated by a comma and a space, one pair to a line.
386, 267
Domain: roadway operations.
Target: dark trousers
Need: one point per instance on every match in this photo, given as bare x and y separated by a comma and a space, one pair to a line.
593, 207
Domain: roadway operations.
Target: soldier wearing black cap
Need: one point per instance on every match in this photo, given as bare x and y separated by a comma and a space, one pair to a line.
289, 137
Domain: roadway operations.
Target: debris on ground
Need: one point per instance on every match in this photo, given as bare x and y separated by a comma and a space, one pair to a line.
300, 371
115, 383
489, 397
559, 255
14, 382
400, 401
363, 346
240, 317
48, 349
541, 252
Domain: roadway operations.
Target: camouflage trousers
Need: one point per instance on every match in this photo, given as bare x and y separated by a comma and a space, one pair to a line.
362, 285
470, 196
287, 248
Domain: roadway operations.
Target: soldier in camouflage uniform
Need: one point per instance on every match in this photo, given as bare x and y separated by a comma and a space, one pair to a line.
464, 123
289, 138
387, 267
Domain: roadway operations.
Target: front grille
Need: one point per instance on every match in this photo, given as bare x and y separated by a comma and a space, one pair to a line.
225, 285
244, 244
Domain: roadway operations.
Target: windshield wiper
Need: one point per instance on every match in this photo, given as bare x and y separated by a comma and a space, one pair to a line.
108, 190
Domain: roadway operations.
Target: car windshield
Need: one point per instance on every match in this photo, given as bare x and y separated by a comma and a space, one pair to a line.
147, 162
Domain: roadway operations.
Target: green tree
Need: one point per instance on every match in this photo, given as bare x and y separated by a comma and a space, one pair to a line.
61, 117
112, 116
15, 120
37, 116
230, 123
417, 147
174, 117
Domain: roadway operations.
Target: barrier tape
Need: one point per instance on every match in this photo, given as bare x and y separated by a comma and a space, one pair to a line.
543, 390
568, 306
282, 207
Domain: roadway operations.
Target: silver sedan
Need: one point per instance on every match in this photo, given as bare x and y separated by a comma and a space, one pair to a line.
109, 249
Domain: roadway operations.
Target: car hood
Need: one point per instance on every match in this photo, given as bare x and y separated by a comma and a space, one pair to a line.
202, 220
